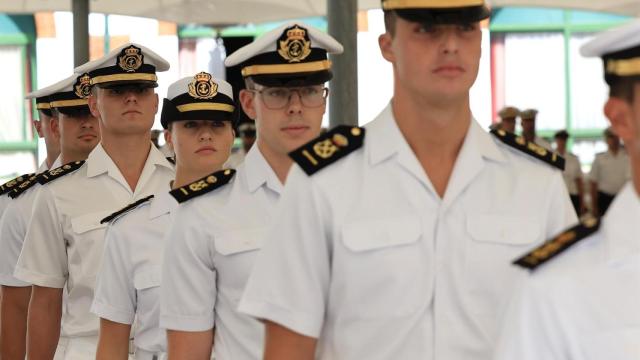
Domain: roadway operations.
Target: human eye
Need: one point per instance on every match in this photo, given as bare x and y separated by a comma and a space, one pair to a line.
218, 124
277, 93
425, 28
190, 124
115, 92
310, 91
467, 27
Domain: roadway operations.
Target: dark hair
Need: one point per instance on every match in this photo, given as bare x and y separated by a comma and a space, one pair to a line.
623, 88
390, 19
562, 134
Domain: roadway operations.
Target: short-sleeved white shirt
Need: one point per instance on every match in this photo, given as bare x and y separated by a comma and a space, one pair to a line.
571, 173
584, 304
128, 285
13, 227
210, 251
610, 171
365, 256
64, 243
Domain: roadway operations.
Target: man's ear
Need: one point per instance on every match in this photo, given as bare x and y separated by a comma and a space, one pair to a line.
620, 116
54, 123
93, 104
38, 125
248, 103
167, 138
385, 41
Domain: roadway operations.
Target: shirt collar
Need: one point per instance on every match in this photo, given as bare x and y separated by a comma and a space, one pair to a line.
621, 224
387, 140
99, 162
162, 203
259, 172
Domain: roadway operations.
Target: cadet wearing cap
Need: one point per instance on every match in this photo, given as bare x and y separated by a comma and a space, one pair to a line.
64, 243
508, 117
584, 303
394, 241
247, 132
528, 122
78, 133
215, 236
197, 114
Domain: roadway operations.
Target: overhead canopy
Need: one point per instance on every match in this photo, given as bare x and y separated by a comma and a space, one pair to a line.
221, 12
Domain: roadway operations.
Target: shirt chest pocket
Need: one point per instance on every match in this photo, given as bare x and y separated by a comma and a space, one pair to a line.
86, 244
503, 230
383, 262
239, 241
147, 285
148, 279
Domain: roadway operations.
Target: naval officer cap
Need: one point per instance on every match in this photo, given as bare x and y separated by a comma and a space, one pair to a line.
69, 96
293, 54
529, 114
619, 49
199, 97
439, 11
41, 97
128, 64
509, 112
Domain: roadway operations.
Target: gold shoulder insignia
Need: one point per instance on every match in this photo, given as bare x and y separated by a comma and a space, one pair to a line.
530, 148
48, 176
24, 186
11, 184
126, 209
328, 148
557, 245
203, 186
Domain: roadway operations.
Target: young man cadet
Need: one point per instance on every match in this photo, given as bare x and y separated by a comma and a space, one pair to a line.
572, 173
79, 133
215, 236
609, 173
198, 116
508, 116
585, 302
400, 248
528, 123
44, 127
64, 242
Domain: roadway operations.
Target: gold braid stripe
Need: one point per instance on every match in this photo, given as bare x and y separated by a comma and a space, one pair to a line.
123, 77
417, 4
628, 67
286, 68
41, 106
205, 106
67, 103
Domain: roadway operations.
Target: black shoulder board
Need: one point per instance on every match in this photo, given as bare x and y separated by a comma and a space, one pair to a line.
557, 245
203, 186
328, 148
126, 209
171, 160
59, 172
530, 148
24, 186
11, 184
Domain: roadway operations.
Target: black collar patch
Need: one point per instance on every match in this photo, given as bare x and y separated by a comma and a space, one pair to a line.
171, 160
530, 148
24, 186
203, 186
126, 209
328, 148
11, 184
557, 245
48, 176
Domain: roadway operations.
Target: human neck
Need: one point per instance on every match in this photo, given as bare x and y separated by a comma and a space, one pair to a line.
279, 163
68, 156
129, 153
52, 155
187, 176
614, 151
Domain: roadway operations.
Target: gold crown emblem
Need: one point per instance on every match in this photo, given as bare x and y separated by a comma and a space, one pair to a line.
83, 86
202, 86
294, 44
130, 59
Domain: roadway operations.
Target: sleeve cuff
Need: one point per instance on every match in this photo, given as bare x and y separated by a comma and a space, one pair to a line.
187, 323
39, 279
8, 280
108, 312
297, 322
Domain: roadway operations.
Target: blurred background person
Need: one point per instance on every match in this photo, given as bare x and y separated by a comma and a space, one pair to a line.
508, 117
609, 172
528, 123
572, 173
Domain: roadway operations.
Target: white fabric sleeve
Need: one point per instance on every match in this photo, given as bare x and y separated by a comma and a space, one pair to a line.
532, 329
290, 279
594, 174
13, 224
115, 295
188, 288
561, 214
43, 260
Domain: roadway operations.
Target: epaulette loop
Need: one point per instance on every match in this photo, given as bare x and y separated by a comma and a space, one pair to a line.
24, 186
125, 209
530, 148
203, 186
11, 184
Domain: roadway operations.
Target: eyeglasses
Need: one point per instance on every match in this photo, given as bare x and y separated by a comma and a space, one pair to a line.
277, 98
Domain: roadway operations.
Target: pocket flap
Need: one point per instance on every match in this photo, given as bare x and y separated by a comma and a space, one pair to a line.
83, 223
147, 279
516, 230
241, 240
376, 234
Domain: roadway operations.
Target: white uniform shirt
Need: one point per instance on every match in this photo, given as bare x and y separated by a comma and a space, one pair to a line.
65, 240
572, 171
13, 227
610, 171
542, 142
128, 285
365, 255
210, 252
585, 304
